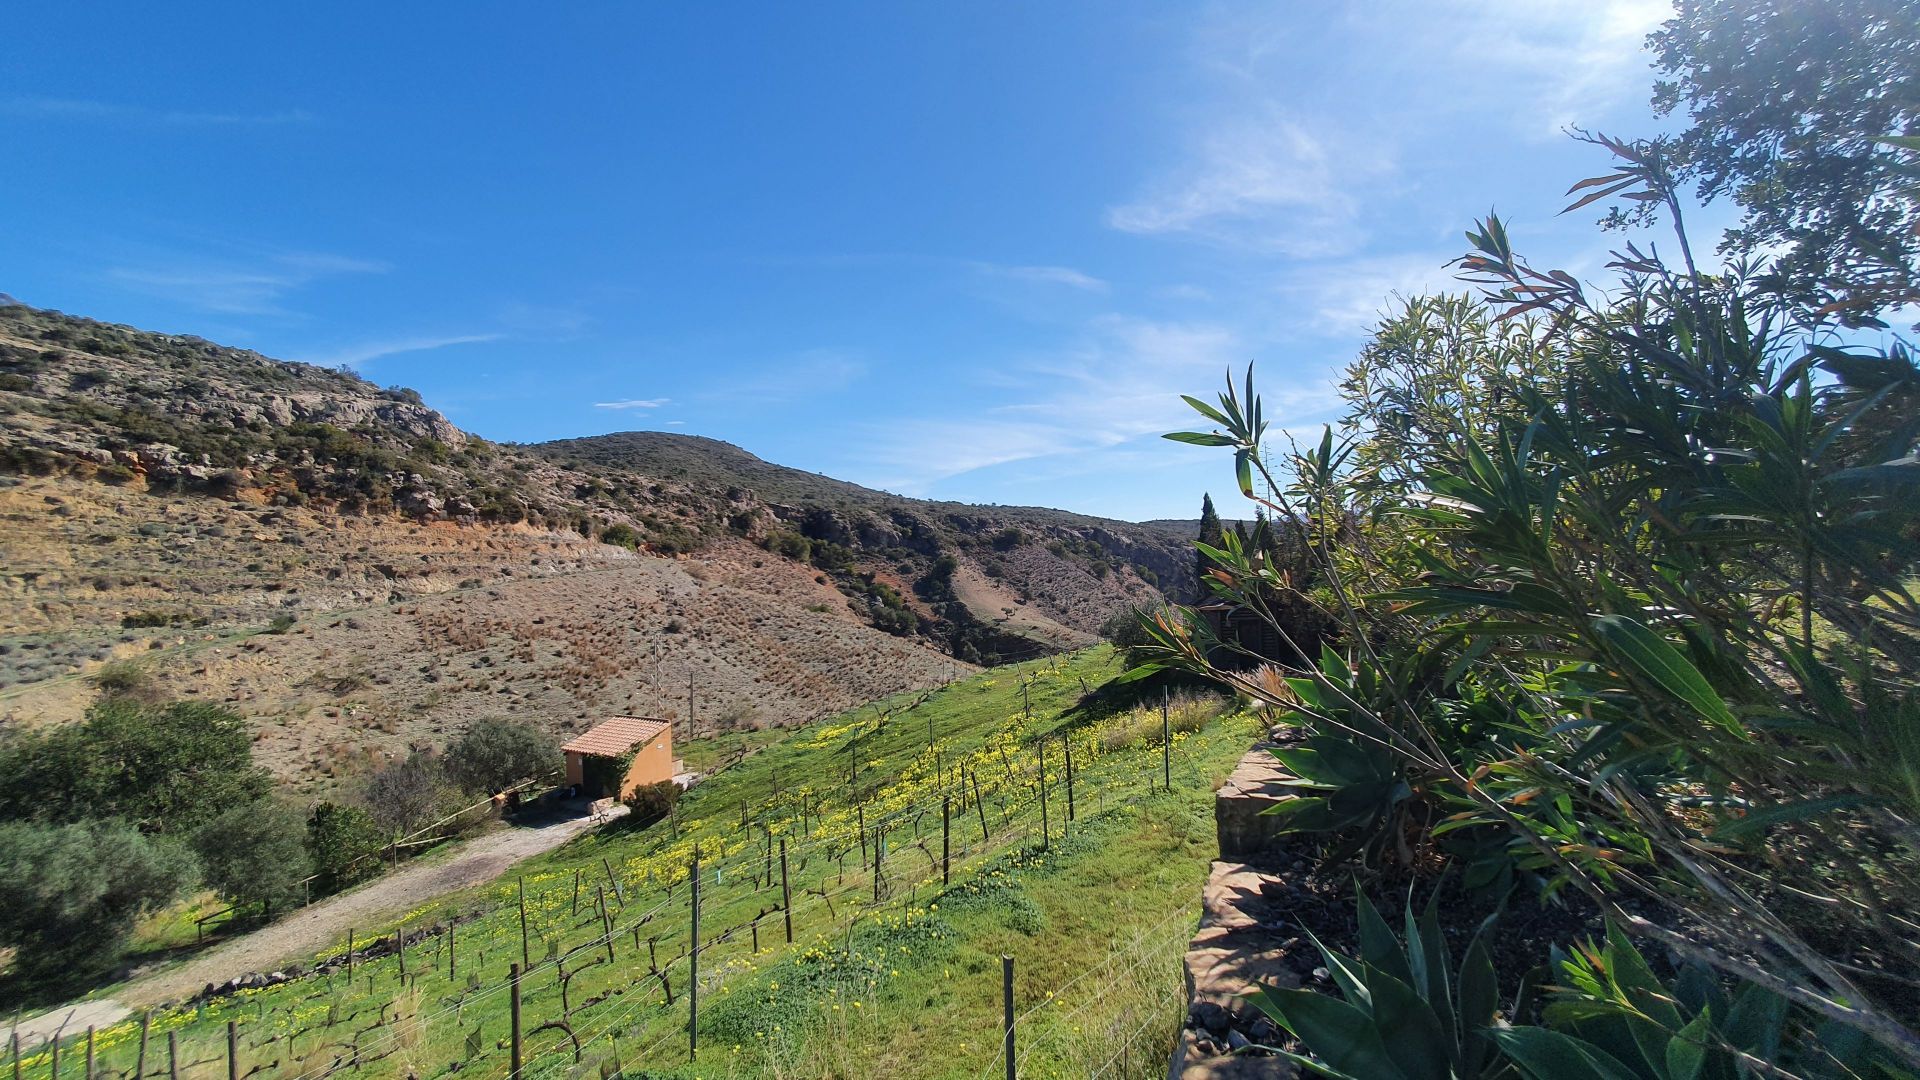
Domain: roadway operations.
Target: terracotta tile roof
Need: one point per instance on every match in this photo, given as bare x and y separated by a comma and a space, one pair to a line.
613, 737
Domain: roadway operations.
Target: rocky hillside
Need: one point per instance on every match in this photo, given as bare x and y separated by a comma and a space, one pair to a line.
359, 575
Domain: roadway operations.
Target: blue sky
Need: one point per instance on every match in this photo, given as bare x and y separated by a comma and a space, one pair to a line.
966, 251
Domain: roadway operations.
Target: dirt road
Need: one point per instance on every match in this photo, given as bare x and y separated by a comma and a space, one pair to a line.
312, 929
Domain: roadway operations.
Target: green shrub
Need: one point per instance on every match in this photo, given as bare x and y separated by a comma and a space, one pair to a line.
649, 803
255, 854
620, 534
126, 679
163, 769
495, 754
343, 844
69, 894
790, 545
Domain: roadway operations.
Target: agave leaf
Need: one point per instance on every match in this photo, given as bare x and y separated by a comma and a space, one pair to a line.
1419, 1042
1755, 1021
1687, 1050
1348, 975
1479, 1001
1549, 1055
1434, 966
1378, 946
1337, 1032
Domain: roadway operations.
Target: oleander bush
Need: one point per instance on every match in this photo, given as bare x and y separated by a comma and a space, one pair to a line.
1622, 589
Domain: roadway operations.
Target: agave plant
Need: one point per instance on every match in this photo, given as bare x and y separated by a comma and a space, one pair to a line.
1350, 779
1405, 1012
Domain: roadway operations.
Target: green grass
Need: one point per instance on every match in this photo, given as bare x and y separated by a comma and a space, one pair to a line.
906, 985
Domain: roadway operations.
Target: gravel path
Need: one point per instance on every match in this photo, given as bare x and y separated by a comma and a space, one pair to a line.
310, 930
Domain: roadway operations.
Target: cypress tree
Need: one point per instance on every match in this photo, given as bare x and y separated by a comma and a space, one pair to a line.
1211, 535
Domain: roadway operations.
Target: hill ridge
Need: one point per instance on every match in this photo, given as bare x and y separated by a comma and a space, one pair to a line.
356, 573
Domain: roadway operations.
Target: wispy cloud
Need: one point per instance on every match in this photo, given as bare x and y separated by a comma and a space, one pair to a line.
357, 356
110, 112
1260, 160
1579, 57
1263, 180
1347, 297
1118, 381
632, 403
1046, 275
254, 287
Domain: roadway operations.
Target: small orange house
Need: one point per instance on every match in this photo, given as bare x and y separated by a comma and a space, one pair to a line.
593, 755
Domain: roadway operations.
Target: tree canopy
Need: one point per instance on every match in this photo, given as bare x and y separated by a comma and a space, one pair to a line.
495, 754
1788, 101
161, 768
69, 894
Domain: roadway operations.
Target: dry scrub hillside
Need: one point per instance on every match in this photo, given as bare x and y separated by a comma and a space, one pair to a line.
341, 563
403, 632
155, 412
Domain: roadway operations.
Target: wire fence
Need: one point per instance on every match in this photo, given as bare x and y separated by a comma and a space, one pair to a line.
619, 968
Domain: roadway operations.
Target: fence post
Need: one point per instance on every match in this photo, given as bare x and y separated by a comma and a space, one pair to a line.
786, 893
349, 957
606, 920
1066, 741
1166, 743
576, 890
946, 838
173, 1055
513, 1066
233, 1050
613, 882
526, 961
980, 804
1045, 827
400, 951
15, 1040
452, 955
1006, 1002
88, 1074
140, 1057
54, 1074
861, 824
693, 966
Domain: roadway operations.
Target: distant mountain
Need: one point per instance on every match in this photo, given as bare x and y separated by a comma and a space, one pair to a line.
158, 491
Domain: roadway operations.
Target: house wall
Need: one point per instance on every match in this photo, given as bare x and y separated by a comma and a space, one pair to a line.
576, 768
652, 763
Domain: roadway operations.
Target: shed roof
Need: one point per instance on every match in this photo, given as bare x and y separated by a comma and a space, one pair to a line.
616, 736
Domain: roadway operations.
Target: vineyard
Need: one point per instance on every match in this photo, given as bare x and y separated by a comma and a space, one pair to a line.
853, 889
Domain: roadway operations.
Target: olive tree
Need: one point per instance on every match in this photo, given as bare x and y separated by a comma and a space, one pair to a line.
496, 754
